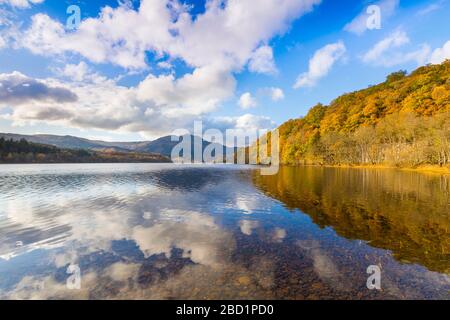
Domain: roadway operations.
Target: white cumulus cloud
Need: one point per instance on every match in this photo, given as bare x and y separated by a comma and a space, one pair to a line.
228, 34
216, 44
20, 3
247, 101
386, 52
156, 106
320, 64
246, 122
439, 55
274, 93
395, 40
262, 61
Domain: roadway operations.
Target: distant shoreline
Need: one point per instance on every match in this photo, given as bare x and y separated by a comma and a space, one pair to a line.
110, 162
24, 152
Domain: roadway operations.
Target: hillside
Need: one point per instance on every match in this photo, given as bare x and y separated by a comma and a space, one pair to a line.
404, 121
22, 151
162, 146
71, 142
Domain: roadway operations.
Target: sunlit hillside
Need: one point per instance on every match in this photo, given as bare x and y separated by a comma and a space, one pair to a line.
404, 121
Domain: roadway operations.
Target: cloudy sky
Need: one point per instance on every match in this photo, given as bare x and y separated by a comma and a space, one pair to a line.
134, 70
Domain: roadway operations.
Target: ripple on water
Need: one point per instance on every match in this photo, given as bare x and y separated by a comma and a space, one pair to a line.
168, 231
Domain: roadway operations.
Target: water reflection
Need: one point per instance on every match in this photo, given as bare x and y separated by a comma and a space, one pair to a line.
169, 232
405, 212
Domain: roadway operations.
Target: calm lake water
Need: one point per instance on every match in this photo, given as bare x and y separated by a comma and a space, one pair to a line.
150, 231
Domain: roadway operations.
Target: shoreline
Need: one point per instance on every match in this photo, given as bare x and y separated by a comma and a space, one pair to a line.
430, 169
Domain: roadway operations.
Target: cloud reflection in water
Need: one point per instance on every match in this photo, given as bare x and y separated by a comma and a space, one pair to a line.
170, 232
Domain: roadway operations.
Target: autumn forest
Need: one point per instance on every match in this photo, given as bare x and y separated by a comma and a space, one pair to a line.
402, 122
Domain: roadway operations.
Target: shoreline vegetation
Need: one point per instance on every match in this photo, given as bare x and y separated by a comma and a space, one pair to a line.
24, 152
402, 123
428, 169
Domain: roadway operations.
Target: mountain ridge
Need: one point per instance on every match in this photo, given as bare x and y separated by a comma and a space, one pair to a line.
162, 145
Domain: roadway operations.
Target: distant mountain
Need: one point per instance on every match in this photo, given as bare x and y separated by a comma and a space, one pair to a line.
64, 142
165, 146
162, 146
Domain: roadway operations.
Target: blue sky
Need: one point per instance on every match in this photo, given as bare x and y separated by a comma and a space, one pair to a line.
141, 69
